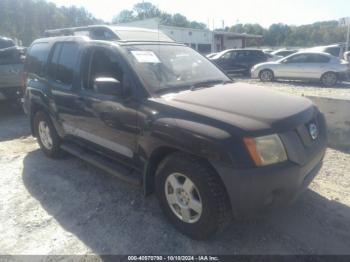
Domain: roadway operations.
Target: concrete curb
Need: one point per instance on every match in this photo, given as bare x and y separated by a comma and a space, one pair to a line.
337, 113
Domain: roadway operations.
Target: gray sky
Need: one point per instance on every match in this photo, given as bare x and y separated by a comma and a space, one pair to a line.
264, 12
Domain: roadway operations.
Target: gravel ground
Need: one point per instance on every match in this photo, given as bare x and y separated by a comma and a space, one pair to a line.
68, 207
340, 91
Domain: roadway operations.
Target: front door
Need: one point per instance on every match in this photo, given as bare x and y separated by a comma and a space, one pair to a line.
292, 67
108, 121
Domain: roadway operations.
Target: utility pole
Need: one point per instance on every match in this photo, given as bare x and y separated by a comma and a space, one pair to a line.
348, 39
346, 22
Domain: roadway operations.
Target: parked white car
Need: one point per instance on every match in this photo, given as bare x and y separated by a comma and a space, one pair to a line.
336, 50
304, 66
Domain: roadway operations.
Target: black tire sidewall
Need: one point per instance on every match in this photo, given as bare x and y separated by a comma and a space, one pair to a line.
55, 151
336, 76
266, 70
208, 222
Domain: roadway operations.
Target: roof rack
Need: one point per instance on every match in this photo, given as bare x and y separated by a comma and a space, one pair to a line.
111, 33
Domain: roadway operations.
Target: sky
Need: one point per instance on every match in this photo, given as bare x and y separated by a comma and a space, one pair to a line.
264, 12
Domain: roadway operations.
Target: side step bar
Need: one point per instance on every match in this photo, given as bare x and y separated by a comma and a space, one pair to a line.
124, 173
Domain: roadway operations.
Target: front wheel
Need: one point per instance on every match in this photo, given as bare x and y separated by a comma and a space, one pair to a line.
47, 136
192, 196
266, 75
329, 79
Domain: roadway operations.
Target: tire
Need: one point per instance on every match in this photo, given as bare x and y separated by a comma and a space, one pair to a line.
329, 79
50, 144
266, 75
214, 212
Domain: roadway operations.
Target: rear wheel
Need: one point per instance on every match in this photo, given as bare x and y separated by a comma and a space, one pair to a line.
329, 79
47, 136
266, 75
192, 196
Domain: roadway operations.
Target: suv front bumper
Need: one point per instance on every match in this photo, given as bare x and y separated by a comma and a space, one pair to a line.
256, 191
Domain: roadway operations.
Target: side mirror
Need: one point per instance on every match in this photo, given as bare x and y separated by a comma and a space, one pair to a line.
108, 86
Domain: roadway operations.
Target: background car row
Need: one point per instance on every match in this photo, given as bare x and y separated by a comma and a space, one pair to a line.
323, 64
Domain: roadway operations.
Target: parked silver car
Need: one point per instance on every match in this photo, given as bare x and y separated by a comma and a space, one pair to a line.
336, 50
304, 66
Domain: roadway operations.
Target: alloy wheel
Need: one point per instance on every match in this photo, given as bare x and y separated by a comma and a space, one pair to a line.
45, 135
183, 198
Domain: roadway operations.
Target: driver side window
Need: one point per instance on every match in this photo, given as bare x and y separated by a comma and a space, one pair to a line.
229, 55
302, 58
101, 63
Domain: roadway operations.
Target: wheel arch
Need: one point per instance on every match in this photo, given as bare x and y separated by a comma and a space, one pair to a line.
330, 71
35, 108
266, 69
157, 156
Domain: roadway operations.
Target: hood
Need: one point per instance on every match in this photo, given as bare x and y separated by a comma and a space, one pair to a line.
244, 106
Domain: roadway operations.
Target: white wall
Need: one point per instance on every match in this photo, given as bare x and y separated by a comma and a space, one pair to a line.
232, 43
187, 35
147, 23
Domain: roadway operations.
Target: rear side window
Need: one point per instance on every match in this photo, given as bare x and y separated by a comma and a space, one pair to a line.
6, 43
37, 58
63, 62
301, 58
54, 61
257, 56
315, 58
334, 51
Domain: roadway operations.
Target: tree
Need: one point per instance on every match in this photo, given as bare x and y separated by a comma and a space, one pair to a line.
28, 19
180, 21
124, 17
145, 10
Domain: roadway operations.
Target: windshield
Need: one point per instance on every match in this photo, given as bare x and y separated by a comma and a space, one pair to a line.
165, 68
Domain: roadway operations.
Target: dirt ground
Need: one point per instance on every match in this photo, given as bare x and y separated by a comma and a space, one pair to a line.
68, 207
340, 91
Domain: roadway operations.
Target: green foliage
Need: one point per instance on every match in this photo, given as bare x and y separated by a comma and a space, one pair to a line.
28, 19
145, 10
320, 33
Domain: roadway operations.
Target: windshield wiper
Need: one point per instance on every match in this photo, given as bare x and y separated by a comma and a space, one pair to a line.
171, 89
192, 87
209, 83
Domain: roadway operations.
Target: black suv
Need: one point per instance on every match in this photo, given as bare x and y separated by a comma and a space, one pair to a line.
159, 115
239, 61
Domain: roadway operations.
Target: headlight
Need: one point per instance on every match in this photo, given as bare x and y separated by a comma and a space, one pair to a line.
266, 150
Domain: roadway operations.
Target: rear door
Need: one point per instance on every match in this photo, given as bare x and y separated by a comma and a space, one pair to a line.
64, 82
315, 65
304, 66
255, 57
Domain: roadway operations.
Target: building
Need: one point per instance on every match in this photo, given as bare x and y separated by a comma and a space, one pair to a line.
203, 40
